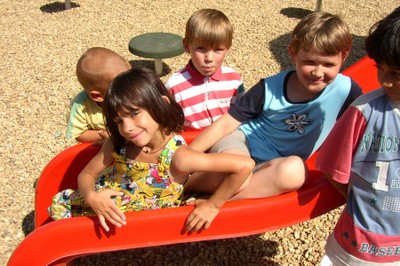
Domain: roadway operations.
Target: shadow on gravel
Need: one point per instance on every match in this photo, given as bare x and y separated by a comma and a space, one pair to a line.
279, 46
253, 250
150, 64
56, 7
294, 12
28, 224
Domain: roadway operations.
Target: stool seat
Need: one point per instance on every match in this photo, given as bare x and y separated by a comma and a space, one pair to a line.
157, 45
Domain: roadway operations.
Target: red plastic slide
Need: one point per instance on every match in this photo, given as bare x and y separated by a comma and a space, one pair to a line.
165, 226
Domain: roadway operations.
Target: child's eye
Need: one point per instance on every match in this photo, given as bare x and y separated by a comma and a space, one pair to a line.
331, 64
134, 113
309, 63
394, 72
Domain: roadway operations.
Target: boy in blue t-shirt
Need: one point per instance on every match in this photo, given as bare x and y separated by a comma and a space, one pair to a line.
283, 120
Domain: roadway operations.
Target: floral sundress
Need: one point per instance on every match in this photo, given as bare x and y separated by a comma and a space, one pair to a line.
145, 185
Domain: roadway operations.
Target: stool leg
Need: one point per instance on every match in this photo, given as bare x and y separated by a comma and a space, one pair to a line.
67, 4
319, 5
158, 66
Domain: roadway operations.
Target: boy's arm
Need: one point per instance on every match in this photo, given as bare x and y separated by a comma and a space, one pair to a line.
342, 188
98, 137
224, 125
336, 154
248, 106
83, 113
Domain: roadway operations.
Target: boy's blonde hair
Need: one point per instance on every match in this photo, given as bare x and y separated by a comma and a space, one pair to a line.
323, 33
98, 66
209, 28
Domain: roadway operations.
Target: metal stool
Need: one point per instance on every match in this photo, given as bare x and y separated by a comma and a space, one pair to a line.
156, 45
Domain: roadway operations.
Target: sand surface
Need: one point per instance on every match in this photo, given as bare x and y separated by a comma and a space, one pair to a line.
40, 45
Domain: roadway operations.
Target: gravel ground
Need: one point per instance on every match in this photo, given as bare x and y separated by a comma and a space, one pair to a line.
40, 46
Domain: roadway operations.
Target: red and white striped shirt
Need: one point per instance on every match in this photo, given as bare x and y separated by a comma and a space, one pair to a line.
204, 99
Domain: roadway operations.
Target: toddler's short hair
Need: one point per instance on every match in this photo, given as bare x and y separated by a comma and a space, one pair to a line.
209, 28
323, 33
98, 66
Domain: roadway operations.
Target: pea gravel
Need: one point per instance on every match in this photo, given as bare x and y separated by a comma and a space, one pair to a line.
40, 45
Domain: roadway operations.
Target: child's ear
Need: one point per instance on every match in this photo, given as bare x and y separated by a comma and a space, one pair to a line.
292, 54
166, 99
96, 96
185, 45
345, 55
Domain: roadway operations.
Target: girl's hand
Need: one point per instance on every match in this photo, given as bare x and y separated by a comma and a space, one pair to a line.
202, 216
105, 208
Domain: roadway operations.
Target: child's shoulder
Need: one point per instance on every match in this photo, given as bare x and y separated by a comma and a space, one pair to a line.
82, 101
178, 139
368, 97
81, 97
342, 78
177, 77
228, 69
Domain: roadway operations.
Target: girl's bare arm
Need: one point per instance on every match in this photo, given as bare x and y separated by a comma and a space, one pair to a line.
100, 202
238, 169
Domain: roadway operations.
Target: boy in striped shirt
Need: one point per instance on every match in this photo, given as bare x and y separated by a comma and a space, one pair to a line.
204, 88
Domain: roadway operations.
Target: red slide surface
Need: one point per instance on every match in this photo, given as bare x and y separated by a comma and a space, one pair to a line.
165, 226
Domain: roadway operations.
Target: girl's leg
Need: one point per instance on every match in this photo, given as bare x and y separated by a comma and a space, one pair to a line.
60, 207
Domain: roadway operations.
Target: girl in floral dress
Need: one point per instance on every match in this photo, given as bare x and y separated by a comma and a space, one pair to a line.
146, 162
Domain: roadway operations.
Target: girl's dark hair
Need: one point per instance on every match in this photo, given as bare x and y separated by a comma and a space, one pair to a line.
383, 42
140, 88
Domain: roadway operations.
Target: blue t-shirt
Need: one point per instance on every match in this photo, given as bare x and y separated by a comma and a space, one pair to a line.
275, 127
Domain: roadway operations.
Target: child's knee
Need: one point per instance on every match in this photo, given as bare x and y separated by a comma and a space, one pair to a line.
291, 173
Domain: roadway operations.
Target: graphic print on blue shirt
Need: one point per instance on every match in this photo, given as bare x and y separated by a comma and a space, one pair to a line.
297, 123
376, 169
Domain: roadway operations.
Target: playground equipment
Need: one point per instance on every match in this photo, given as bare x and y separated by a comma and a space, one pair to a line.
165, 226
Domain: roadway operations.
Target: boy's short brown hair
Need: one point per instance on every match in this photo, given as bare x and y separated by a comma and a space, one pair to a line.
323, 33
210, 28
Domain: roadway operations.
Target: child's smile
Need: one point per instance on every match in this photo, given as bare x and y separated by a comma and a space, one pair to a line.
315, 71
